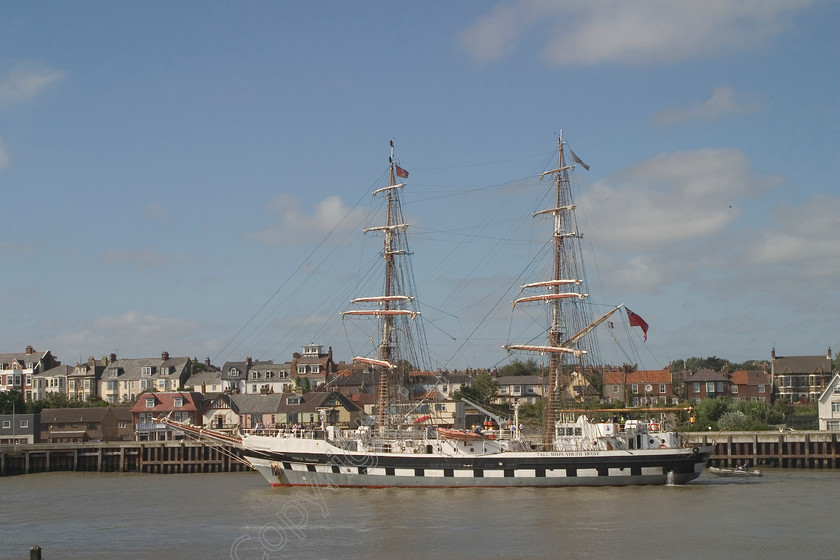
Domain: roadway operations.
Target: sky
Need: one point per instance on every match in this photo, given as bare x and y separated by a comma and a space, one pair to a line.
193, 177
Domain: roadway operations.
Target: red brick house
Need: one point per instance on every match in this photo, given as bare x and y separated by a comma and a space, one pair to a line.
181, 406
707, 384
752, 385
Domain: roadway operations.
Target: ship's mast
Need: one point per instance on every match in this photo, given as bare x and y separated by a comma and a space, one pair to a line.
563, 286
389, 305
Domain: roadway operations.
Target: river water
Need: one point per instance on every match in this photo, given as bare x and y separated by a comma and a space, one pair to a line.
786, 514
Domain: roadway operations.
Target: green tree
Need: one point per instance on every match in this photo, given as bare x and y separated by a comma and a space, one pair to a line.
482, 390
518, 367
12, 401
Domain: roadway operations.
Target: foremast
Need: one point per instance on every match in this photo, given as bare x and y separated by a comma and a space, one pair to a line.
390, 304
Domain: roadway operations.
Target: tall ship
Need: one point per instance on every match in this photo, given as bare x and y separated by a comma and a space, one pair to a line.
392, 452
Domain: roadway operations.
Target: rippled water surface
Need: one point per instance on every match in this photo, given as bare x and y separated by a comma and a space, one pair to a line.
786, 514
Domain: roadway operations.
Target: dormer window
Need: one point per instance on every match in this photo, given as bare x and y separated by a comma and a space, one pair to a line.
179, 401
165, 370
301, 370
146, 370
316, 368
293, 400
234, 372
255, 375
269, 374
114, 372
150, 403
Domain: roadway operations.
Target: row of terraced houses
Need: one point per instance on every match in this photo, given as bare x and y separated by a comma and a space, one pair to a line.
294, 391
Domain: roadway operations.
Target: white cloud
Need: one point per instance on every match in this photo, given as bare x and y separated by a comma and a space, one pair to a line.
673, 198
156, 212
803, 238
132, 334
722, 103
617, 31
293, 225
24, 81
4, 158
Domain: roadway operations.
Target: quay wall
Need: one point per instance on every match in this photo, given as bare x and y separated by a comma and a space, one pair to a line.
134, 456
798, 449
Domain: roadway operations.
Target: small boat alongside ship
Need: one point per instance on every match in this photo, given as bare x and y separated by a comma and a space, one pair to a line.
737, 472
398, 452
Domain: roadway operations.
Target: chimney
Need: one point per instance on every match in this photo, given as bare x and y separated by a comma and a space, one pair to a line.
164, 356
112, 358
207, 361
829, 353
248, 362
29, 350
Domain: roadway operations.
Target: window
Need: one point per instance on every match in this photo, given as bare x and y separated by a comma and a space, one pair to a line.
150, 403
719, 386
233, 372
121, 424
634, 388
161, 384
146, 370
24, 423
7, 424
179, 401
165, 370
301, 370
114, 372
145, 383
269, 374
835, 407
710, 387
661, 387
87, 383
615, 388
734, 389
293, 400
316, 369
255, 375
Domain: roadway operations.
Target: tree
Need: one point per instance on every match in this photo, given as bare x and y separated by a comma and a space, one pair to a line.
518, 367
12, 401
482, 390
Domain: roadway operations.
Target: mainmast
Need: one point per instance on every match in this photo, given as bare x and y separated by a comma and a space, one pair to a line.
388, 305
564, 286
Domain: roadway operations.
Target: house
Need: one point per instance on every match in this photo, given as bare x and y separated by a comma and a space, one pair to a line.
313, 365
439, 386
828, 405
307, 408
181, 406
615, 386
752, 385
650, 388
576, 387
800, 379
707, 384
124, 379
77, 425
83, 382
256, 377
522, 388
54, 380
356, 381
20, 428
17, 369
205, 382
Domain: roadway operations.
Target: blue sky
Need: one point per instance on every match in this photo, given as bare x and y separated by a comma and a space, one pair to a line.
192, 176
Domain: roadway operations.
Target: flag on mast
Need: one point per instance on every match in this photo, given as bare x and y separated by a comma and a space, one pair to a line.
401, 172
578, 160
637, 321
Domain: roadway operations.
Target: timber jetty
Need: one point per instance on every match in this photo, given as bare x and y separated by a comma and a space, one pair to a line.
810, 449
126, 456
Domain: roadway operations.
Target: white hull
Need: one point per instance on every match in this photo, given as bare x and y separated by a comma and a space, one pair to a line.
300, 462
